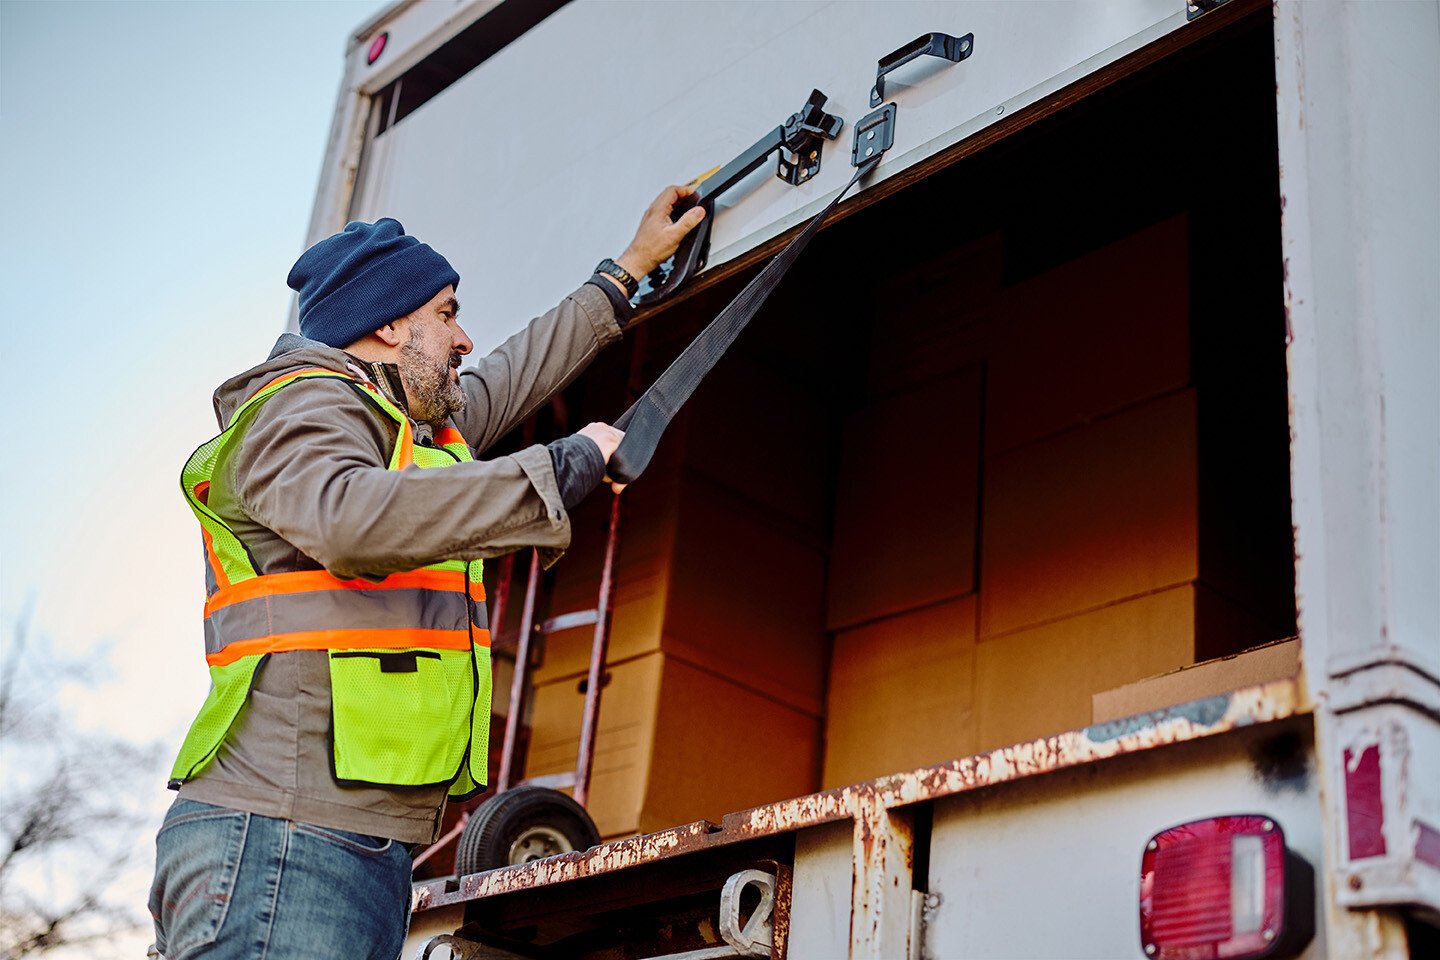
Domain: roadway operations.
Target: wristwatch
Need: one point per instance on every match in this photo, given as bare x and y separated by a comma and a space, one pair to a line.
610, 267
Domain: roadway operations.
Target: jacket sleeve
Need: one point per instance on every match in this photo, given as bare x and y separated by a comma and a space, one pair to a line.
312, 468
526, 370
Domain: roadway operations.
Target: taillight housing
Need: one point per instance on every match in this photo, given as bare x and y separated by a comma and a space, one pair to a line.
1226, 888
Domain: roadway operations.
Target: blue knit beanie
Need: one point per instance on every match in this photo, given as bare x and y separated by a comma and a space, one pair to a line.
356, 281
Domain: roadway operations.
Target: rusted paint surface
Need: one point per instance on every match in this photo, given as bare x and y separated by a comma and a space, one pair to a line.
881, 884
1242, 708
780, 918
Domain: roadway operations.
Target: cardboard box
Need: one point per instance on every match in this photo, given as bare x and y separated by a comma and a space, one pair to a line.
747, 595
1264, 664
721, 747
676, 743
1224, 628
760, 434
1098, 333
907, 503
623, 746
1090, 517
1040, 681
647, 532
635, 628
901, 694
931, 319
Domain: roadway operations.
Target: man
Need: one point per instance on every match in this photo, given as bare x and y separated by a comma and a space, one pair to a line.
345, 521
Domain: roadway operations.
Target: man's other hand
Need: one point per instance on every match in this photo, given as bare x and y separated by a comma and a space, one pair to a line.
658, 236
607, 438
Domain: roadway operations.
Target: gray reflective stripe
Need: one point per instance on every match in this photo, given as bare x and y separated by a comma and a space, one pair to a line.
211, 584
412, 608
479, 615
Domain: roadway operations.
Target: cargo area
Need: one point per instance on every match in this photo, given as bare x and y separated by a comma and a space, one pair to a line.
1003, 444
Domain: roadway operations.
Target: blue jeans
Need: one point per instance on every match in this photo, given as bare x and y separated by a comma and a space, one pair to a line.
239, 886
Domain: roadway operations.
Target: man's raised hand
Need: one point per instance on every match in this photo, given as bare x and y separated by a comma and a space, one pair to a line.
658, 236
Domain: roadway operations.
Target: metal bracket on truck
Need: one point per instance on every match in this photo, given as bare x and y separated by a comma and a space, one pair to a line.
935, 44
801, 138
875, 133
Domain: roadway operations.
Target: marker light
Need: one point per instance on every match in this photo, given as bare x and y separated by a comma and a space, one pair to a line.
377, 47
1224, 889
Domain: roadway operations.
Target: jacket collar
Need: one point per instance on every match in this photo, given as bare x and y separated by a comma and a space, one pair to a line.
385, 376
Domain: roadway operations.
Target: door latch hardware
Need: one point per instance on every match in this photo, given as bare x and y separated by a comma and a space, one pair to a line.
874, 135
799, 142
940, 45
803, 137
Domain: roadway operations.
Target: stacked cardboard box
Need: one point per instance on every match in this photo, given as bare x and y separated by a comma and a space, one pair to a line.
905, 517
1080, 496
902, 693
901, 597
1000, 514
717, 659
1263, 664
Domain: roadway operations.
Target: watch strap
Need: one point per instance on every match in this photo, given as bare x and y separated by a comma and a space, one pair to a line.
613, 269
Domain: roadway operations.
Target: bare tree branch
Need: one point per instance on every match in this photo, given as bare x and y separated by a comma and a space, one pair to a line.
69, 816
12, 661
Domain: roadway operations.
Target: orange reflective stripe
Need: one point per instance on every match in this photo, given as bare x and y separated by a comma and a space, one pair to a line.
220, 578
446, 436
306, 581
405, 446
476, 589
349, 640
296, 373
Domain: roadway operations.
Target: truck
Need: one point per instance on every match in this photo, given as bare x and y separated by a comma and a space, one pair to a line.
1050, 569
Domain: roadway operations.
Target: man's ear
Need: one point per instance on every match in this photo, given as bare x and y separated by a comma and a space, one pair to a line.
390, 334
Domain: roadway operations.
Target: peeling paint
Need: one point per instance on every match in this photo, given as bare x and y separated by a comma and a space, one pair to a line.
780, 918
867, 801
1204, 712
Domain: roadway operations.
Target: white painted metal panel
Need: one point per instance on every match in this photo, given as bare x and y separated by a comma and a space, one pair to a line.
1359, 139
1050, 867
538, 162
820, 901
1359, 149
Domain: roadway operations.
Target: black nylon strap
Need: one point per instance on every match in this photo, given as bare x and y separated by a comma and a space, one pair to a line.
647, 418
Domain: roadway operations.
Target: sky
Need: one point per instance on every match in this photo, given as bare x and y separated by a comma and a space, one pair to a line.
158, 163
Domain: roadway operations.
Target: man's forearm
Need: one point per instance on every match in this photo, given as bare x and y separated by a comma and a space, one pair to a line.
526, 370
320, 481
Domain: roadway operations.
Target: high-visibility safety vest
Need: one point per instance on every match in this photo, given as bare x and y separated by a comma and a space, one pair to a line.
409, 654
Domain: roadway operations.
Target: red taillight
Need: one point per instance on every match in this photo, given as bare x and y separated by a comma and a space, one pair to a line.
377, 47
1224, 889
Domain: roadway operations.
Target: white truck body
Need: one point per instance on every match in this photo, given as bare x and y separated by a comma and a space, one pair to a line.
536, 162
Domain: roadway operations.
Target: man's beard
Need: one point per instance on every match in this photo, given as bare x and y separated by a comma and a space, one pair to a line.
430, 393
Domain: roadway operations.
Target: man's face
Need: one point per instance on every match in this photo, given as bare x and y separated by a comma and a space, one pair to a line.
430, 358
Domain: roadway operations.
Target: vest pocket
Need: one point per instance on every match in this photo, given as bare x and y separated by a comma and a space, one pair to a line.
400, 717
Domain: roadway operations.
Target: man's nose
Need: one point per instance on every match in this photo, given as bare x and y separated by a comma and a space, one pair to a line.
462, 343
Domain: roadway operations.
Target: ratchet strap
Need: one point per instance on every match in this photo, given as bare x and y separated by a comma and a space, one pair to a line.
647, 418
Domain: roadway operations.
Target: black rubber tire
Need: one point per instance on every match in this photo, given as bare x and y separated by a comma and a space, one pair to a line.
497, 825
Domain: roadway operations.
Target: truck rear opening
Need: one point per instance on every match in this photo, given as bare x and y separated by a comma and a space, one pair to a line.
1004, 441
